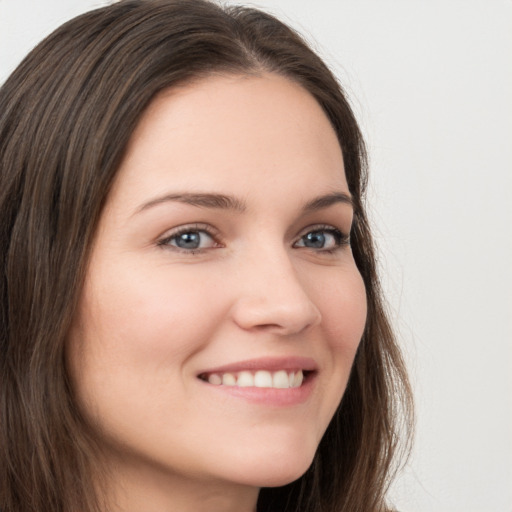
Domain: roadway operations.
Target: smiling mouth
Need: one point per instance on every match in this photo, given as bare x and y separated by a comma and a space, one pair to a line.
280, 379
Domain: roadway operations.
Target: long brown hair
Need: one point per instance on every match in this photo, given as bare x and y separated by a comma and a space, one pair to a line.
66, 115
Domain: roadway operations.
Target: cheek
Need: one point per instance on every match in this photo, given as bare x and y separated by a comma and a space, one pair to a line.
145, 316
344, 309
341, 300
129, 346
134, 335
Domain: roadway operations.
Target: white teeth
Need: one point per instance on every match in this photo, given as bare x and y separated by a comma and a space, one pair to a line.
245, 380
297, 380
228, 379
263, 379
280, 379
215, 379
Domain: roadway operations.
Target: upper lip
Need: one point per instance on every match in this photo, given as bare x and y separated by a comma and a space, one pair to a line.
266, 363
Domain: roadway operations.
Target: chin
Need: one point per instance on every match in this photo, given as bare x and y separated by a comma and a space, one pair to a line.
283, 477
276, 475
276, 469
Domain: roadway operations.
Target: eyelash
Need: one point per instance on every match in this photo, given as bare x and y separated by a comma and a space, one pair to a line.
341, 239
193, 228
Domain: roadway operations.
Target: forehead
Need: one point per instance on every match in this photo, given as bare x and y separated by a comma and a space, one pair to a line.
233, 132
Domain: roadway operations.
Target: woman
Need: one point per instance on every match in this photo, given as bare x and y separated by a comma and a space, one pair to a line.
191, 317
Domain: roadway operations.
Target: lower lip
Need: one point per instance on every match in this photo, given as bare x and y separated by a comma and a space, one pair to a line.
270, 396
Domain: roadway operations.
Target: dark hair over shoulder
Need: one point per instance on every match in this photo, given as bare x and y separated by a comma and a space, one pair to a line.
66, 115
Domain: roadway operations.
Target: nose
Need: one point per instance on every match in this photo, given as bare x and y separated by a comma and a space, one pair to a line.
271, 297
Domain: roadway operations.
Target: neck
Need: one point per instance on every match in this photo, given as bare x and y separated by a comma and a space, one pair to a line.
154, 490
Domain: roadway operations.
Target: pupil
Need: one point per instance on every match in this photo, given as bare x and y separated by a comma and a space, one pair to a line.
316, 239
188, 241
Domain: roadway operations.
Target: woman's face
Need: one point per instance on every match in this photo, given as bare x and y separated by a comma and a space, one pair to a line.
222, 307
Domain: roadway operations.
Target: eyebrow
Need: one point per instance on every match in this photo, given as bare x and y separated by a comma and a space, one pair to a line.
319, 203
227, 202
219, 201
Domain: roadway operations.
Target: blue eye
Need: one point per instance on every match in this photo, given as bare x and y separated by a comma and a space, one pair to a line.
326, 239
189, 239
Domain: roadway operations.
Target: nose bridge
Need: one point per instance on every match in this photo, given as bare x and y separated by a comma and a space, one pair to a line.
271, 294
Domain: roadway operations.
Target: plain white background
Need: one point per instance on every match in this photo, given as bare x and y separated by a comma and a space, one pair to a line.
431, 84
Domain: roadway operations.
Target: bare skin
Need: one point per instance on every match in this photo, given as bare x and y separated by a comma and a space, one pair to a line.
223, 249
